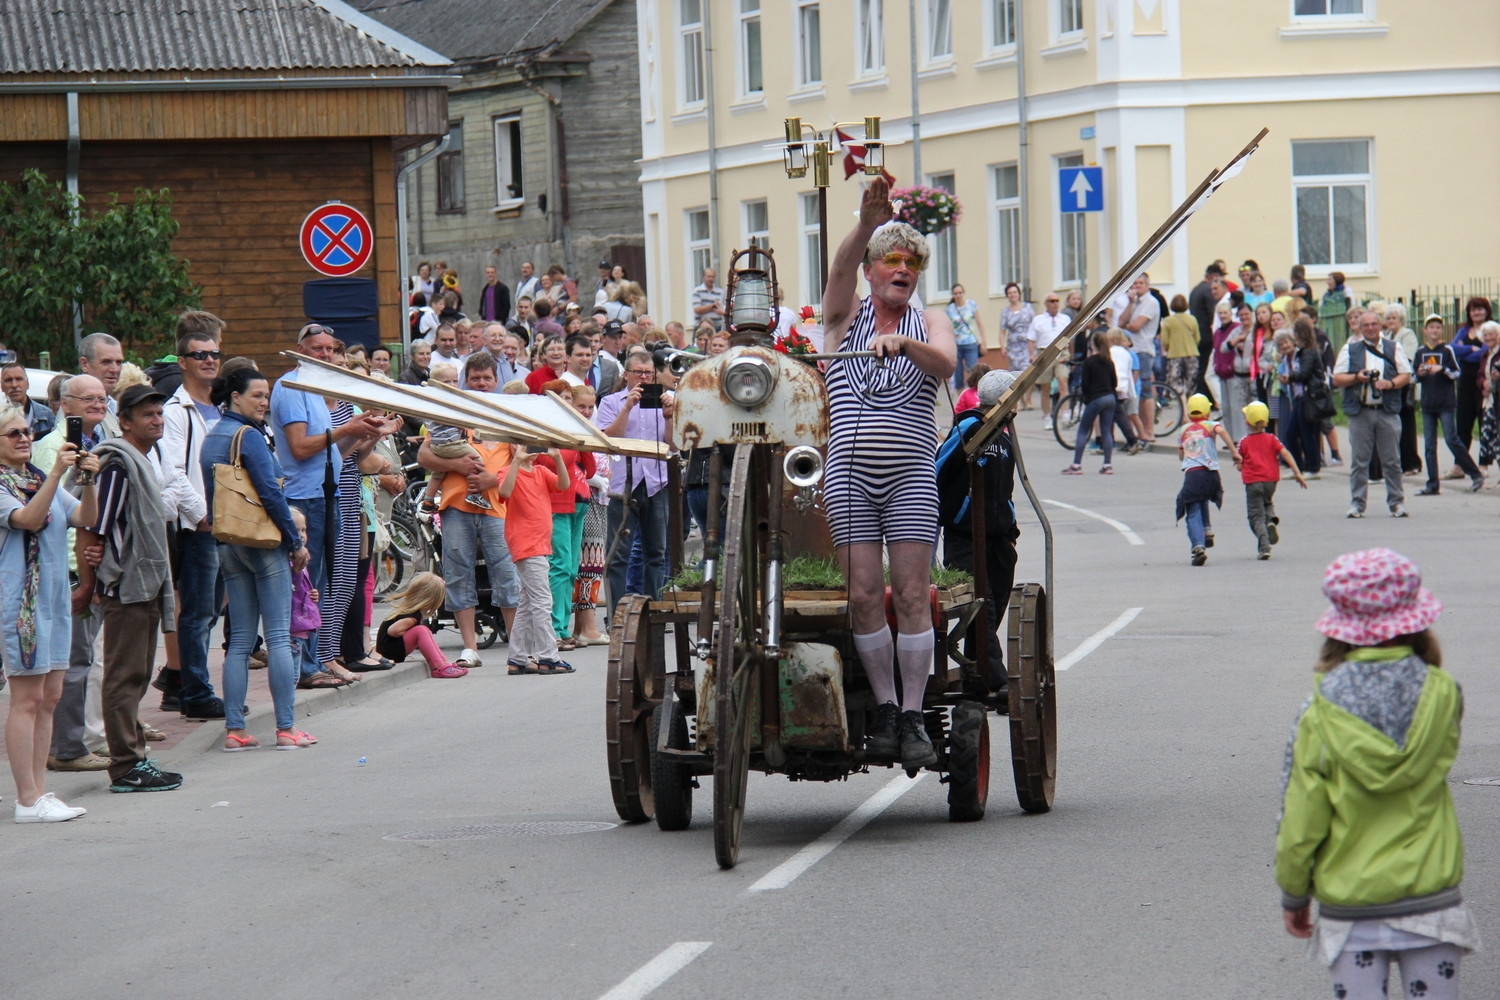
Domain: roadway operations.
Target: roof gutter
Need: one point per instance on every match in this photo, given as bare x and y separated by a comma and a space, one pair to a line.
401, 181
240, 83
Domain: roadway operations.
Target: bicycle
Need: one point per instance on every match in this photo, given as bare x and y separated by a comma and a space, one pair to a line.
1170, 412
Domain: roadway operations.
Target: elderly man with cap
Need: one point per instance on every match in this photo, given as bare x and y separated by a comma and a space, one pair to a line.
132, 584
997, 464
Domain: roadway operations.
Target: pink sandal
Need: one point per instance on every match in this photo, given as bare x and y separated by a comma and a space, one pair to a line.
293, 739
236, 744
449, 670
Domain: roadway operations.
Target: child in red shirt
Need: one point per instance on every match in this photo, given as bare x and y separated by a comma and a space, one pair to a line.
527, 489
1260, 473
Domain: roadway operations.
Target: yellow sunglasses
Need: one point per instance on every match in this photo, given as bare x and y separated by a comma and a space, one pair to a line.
898, 259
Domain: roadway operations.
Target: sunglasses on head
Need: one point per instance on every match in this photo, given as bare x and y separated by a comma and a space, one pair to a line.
204, 355
899, 259
312, 330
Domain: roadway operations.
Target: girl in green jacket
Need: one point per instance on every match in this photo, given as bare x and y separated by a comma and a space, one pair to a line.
1367, 824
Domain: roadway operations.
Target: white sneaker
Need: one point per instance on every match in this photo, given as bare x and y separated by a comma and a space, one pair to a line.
1046, 423
468, 658
48, 809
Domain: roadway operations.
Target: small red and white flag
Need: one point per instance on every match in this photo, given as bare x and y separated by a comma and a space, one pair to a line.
854, 158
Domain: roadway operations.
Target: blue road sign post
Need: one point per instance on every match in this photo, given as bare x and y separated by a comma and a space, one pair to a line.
1081, 189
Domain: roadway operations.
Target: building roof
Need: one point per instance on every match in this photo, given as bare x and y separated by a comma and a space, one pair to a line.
504, 31
147, 36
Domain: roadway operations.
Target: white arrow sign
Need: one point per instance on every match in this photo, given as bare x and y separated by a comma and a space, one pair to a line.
1081, 189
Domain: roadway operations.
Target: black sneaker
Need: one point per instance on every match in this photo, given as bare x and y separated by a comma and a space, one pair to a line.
202, 711
916, 746
1271, 532
146, 777
1199, 555
882, 741
170, 703
168, 682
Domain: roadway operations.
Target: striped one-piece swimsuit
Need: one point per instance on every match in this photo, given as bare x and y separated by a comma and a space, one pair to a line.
882, 445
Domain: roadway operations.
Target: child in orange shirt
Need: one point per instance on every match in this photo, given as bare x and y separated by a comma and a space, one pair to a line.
1260, 473
527, 489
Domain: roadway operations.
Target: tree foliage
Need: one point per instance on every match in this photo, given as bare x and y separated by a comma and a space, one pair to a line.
115, 263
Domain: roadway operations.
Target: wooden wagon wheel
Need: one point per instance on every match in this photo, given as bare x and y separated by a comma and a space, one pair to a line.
1033, 698
737, 664
629, 697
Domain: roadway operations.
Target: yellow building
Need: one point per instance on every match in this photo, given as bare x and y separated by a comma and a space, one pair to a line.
1381, 162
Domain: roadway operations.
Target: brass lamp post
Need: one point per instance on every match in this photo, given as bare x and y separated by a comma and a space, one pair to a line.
805, 146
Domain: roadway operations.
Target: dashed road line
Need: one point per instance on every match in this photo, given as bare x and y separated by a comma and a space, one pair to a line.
1120, 526
787, 872
1096, 640
664, 966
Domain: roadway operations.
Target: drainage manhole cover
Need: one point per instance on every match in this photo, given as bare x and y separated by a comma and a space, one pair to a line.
541, 829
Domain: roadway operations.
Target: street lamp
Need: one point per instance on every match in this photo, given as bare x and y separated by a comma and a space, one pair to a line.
798, 151
750, 297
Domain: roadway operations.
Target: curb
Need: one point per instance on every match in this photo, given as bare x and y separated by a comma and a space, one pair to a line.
317, 701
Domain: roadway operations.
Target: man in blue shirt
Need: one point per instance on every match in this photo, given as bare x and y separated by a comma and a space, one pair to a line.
311, 450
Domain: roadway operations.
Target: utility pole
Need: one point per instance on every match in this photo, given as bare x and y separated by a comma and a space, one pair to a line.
1023, 155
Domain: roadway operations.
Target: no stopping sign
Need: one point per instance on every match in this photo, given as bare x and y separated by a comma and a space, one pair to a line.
336, 239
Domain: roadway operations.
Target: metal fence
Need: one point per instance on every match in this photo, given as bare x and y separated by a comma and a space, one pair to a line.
1445, 300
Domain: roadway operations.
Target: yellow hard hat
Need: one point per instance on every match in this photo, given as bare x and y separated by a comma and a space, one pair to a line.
1257, 413
1199, 405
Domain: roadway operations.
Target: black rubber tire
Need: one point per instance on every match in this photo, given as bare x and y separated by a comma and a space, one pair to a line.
486, 630
1171, 410
671, 781
1065, 420
968, 762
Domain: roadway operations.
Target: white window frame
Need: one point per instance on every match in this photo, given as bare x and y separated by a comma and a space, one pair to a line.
996, 14
748, 210
869, 38
699, 252
1366, 13
691, 87
937, 31
810, 243
1056, 19
750, 24
943, 263
806, 53
999, 209
1366, 181
506, 129
1062, 221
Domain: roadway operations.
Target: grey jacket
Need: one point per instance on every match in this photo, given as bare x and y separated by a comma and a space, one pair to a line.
146, 574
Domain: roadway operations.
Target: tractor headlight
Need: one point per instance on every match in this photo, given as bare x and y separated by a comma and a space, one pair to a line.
748, 381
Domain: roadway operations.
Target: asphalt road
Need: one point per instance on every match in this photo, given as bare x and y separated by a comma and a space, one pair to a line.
280, 873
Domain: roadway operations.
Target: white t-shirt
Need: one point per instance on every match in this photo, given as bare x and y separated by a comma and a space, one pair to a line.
1124, 371
1045, 329
1142, 341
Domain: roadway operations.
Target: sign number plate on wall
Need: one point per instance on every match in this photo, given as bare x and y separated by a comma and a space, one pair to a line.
336, 239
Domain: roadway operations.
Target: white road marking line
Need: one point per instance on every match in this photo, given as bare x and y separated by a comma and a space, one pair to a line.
1096, 640
648, 977
1120, 526
787, 872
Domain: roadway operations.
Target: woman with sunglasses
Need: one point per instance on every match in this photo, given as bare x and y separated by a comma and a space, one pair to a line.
35, 604
881, 485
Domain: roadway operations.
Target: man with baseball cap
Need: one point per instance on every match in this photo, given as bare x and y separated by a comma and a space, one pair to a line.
132, 584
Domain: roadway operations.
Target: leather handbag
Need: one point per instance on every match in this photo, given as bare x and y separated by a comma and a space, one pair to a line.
239, 516
1317, 400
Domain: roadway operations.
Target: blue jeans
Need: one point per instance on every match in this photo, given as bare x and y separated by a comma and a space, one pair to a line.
1197, 523
1102, 409
968, 355
647, 521
465, 535
259, 582
317, 511
197, 606
1461, 456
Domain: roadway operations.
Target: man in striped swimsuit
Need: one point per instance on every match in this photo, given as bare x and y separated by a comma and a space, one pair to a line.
881, 482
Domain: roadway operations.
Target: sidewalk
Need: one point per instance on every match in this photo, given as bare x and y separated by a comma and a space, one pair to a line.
185, 738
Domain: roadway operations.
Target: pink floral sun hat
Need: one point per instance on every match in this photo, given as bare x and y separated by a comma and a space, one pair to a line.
1376, 595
